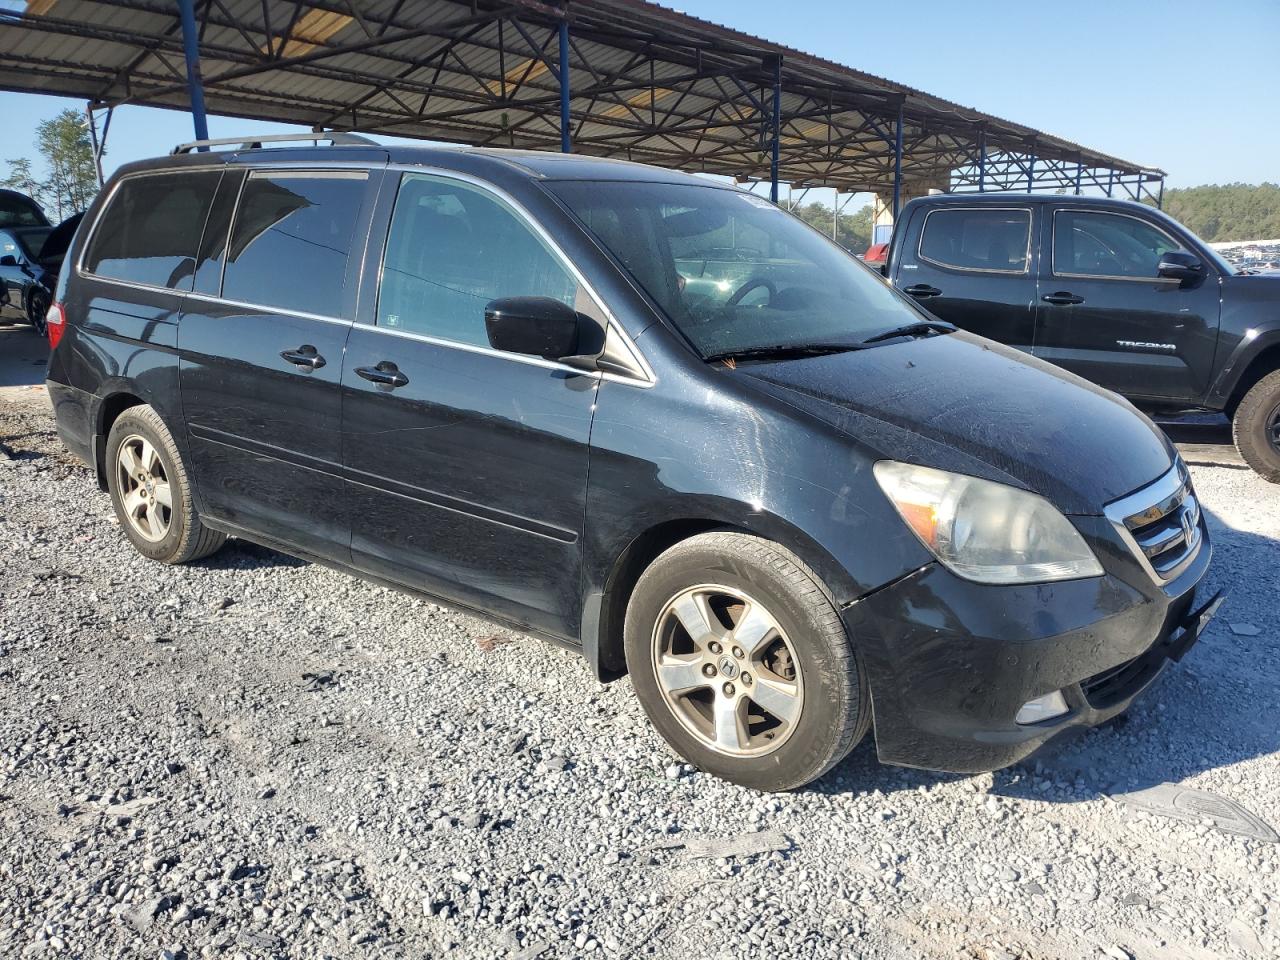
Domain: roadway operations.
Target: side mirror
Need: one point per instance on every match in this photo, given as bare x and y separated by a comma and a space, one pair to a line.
8, 260
1177, 265
537, 326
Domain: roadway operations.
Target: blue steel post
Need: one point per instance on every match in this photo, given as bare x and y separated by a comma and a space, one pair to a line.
897, 165
566, 141
1031, 173
776, 151
1079, 174
1111, 179
191, 48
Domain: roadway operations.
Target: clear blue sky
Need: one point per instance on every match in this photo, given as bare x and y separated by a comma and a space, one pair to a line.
1190, 87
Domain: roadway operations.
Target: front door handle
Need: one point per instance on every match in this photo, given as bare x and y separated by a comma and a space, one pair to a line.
305, 357
1062, 298
922, 291
384, 372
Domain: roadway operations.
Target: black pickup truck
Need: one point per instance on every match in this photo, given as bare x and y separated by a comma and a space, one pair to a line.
1114, 291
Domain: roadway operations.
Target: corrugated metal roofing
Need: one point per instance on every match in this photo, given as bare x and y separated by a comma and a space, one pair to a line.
649, 83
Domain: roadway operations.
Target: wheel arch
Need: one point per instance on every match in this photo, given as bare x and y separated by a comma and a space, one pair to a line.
1264, 362
109, 409
605, 608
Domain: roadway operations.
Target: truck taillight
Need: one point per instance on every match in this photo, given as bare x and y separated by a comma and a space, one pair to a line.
56, 322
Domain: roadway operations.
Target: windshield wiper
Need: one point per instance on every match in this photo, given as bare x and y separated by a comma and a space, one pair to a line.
784, 351
921, 328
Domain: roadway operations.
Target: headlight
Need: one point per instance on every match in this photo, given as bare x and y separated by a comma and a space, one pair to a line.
986, 531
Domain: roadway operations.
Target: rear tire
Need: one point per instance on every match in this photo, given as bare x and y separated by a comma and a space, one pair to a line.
37, 307
151, 492
1256, 427
771, 695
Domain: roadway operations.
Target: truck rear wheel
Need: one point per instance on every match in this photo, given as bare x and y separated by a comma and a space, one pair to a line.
1256, 427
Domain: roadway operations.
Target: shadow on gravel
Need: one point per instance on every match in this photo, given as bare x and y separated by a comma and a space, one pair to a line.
243, 555
1214, 709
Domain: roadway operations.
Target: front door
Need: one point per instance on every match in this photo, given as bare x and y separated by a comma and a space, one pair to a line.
467, 468
1105, 314
973, 266
261, 358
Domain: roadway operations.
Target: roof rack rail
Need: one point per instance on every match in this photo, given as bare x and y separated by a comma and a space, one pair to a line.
336, 138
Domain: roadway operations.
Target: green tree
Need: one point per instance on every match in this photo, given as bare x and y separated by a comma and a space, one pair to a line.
853, 231
1230, 211
64, 143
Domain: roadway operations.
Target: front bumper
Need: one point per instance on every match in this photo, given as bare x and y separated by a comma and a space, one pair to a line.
950, 662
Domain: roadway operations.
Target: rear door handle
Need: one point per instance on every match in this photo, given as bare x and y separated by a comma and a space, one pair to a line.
1062, 298
304, 357
384, 372
922, 290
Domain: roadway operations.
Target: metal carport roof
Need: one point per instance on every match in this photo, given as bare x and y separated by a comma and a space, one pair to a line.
644, 82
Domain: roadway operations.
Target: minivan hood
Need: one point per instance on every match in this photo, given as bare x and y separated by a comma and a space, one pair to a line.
963, 403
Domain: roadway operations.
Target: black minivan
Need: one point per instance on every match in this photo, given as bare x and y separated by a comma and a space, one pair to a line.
642, 414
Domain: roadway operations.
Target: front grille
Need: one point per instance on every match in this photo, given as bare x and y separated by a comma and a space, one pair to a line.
1161, 523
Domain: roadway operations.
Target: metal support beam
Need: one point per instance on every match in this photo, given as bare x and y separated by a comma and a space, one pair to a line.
1079, 175
566, 141
1031, 173
982, 161
1160, 195
191, 49
1111, 180
93, 137
897, 165
775, 154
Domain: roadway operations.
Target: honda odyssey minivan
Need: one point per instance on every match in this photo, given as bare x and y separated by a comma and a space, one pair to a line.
648, 416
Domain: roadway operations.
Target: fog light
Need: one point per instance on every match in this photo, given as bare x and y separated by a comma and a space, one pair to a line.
1042, 708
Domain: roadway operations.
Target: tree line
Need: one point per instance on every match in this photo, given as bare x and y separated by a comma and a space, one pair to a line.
1228, 211
67, 151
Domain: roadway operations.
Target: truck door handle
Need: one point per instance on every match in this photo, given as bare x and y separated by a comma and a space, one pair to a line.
923, 291
305, 357
384, 372
1062, 298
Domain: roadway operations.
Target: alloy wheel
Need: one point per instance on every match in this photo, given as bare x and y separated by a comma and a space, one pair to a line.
145, 492
1273, 429
727, 670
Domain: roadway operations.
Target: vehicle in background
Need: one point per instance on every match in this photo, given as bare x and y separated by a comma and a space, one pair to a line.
30, 258
1114, 291
19, 210
877, 255
653, 418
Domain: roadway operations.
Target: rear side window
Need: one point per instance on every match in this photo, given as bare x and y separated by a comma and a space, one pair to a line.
452, 249
291, 239
977, 239
19, 211
1107, 245
150, 229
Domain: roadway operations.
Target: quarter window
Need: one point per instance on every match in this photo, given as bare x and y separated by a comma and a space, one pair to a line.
977, 239
452, 249
149, 231
1107, 245
291, 239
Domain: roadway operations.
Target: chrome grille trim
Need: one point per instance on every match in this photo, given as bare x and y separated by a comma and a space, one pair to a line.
1161, 524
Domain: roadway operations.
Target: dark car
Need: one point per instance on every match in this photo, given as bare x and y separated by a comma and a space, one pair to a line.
1115, 291
30, 258
652, 418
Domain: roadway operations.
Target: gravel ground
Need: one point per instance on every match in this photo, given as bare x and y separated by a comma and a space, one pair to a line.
257, 757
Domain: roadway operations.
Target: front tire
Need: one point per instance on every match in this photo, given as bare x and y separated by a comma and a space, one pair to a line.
151, 492
742, 663
1256, 427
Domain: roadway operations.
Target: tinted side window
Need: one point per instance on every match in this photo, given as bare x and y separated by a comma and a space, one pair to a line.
291, 239
17, 211
451, 249
151, 226
977, 239
1107, 245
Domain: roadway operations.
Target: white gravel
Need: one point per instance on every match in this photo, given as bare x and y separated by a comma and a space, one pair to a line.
259, 757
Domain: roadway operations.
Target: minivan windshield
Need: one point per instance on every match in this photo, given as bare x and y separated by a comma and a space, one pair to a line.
736, 274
